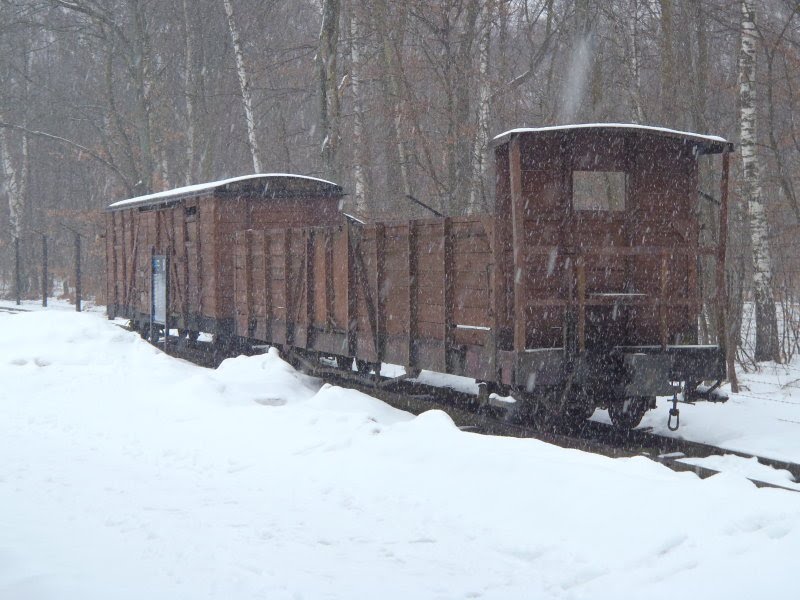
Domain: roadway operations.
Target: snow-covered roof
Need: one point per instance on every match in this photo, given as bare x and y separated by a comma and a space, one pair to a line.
713, 143
263, 183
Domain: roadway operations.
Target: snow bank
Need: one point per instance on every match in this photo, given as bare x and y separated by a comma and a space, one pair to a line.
129, 474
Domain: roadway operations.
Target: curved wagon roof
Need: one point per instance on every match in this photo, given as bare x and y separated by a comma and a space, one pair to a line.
266, 185
706, 144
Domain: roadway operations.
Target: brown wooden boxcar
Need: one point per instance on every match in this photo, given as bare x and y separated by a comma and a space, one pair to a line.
195, 226
582, 290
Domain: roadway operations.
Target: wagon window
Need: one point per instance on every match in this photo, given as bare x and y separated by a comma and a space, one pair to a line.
598, 190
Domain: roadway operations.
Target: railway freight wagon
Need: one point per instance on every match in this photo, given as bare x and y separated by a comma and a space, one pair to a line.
582, 290
195, 226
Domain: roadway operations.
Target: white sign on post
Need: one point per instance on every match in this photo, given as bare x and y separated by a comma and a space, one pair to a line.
159, 297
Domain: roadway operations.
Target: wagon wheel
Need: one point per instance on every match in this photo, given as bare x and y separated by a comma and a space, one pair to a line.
344, 363
576, 416
532, 411
365, 367
628, 413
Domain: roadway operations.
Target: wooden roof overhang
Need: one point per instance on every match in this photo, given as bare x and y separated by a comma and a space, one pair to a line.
262, 186
704, 144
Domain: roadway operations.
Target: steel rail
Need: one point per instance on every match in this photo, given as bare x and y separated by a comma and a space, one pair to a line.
465, 411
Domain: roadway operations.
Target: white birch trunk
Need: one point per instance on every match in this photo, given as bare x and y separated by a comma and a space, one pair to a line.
188, 85
244, 84
479, 162
359, 179
329, 93
766, 319
15, 183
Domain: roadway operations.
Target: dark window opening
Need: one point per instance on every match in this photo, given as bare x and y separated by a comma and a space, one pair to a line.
598, 190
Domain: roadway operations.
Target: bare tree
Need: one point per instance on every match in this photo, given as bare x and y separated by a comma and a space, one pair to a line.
328, 86
767, 347
477, 196
244, 85
359, 177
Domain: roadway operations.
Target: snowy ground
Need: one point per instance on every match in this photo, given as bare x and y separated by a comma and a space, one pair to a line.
128, 474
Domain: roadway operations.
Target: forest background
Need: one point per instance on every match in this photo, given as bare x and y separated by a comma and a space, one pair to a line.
102, 100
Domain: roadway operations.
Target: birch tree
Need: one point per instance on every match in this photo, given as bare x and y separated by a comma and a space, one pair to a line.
477, 197
752, 194
244, 85
328, 86
359, 177
15, 181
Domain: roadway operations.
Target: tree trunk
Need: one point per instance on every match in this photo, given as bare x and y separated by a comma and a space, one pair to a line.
328, 89
359, 178
15, 182
189, 93
244, 85
477, 197
391, 61
767, 347
667, 64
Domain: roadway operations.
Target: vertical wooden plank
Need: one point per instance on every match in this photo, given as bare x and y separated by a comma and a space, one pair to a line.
112, 280
518, 240
198, 245
267, 275
127, 249
413, 285
580, 265
662, 301
248, 282
238, 284
352, 320
692, 287
175, 238
185, 270
310, 240
330, 317
495, 293
449, 276
380, 291
288, 301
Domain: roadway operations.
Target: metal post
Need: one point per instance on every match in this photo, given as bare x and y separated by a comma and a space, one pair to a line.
44, 270
17, 277
166, 302
78, 272
153, 337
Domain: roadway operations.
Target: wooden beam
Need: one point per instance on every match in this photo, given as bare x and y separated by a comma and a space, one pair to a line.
352, 320
266, 274
310, 240
288, 301
662, 301
111, 243
580, 266
518, 240
380, 292
248, 281
329, 287
496, 292
449, 274
413, 286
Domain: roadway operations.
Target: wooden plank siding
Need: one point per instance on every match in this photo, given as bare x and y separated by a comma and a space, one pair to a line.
200, 234
411, 293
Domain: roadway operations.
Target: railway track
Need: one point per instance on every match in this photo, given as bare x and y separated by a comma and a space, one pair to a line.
592, 436
13, 310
